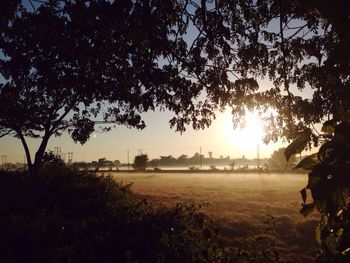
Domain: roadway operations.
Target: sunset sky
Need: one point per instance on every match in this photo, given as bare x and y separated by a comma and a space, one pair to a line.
155, 140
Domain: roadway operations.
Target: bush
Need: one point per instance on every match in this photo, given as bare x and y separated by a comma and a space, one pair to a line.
69, 216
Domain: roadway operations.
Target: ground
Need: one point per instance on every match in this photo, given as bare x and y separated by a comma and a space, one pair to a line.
240, 203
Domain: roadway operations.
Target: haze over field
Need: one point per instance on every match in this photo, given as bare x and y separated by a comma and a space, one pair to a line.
240, 202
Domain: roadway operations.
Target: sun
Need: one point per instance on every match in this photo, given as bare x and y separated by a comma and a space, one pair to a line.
246, 137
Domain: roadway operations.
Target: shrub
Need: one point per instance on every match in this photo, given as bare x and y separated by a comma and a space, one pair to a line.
70, 216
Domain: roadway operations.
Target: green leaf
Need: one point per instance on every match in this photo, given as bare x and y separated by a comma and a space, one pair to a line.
308, 163
298, 145
318, 234
329, 127
307, 209
303, 194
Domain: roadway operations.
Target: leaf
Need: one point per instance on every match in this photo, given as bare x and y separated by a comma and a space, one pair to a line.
303, 194
298, 145
308, 163
331, 243
318, 235
325, 151
313, 181
342, 133
328, 127
307, 209
321, 205
242, 259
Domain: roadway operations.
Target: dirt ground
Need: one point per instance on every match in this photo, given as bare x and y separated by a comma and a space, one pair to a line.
240, 203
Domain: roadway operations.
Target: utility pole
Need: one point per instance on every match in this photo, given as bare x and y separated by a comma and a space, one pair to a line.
70, 158
200, 157
127, 154
258, 156
57, 151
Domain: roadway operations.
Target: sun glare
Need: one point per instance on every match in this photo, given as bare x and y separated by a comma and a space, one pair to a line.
246, 137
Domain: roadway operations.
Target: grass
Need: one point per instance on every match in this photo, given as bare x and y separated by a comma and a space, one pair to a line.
70, 216
240, 203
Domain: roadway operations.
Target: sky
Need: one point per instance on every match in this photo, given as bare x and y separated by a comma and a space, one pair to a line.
157, 139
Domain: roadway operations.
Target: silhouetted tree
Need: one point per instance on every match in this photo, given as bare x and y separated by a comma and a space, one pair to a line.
140, 162
74, 65
278, 160
302, 47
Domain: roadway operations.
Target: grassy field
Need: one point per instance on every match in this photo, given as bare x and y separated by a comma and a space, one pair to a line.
240, 203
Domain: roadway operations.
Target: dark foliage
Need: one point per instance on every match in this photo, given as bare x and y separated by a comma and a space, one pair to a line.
68, 216
78, 66
329, 185
140, 162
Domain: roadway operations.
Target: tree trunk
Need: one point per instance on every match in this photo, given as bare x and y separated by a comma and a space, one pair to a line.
33, 168
27, 152
40, 153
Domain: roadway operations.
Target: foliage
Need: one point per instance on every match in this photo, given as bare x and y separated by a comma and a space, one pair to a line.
49, 158
140, 57
69, 216
140, 162
80, 66
329, 185
262, 246
278, 161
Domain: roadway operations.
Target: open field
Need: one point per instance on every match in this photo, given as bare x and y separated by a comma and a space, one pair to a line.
240, 202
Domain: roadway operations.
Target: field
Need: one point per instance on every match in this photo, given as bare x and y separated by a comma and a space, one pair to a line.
239, 203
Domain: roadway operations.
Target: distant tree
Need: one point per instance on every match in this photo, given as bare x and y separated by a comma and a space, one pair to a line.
213, 168
101, 161
232, 165
167, 160
210, 155
183, 158
140, 162
154, 162
50, 158
278, 160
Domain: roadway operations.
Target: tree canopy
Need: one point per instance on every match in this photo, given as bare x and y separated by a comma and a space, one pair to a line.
69, 65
